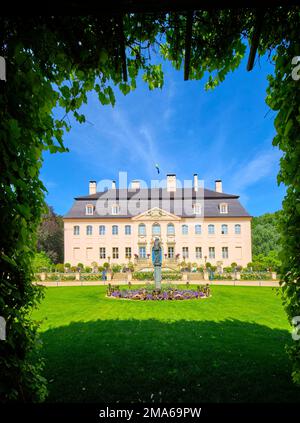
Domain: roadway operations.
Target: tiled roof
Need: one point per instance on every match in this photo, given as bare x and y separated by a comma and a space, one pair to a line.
155, 192
102, 202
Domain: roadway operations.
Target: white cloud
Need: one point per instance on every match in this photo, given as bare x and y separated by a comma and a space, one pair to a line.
260, 168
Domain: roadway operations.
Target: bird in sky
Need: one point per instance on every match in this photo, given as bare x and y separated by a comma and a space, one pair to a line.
157, 167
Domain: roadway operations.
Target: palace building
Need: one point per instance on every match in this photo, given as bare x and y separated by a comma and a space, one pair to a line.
194, 224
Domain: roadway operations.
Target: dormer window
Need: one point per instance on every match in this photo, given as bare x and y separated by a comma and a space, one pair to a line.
197, 208
115, 209
89, 209
223, 208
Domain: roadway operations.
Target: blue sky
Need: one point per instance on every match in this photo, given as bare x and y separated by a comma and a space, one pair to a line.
221, 134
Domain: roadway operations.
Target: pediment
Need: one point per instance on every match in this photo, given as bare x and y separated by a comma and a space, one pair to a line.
156, 214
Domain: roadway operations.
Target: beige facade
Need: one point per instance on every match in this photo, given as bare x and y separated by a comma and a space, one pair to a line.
218, 240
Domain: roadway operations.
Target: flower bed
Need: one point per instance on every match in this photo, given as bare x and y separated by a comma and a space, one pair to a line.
166, 293
256, 276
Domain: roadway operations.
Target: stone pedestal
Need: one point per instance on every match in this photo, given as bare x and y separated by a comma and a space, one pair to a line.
206, 275
77, 277
273, 275
43, 276
109, 276
185, 277
157, 277
129, 277
238, 276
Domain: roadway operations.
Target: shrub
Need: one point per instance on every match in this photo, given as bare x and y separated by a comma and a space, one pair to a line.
67, 265
73, 269
80, 265
208, 265
116, 268
88, 269
106, 265
41, 262
59, 267
91, 277
67, 278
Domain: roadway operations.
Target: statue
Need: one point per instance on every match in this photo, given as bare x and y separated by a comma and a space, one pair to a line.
156, 259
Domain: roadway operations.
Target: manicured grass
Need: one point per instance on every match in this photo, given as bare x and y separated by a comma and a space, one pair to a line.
227, 348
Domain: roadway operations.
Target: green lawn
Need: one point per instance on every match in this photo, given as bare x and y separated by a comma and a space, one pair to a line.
227, 348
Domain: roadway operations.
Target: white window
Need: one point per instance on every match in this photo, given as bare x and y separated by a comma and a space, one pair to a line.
198, 229
170, 252
211, 252
237, 229
198, 252
89, 209
225, 252
170, 229
101, 230
115, 209
128, 252
142, 252
115, 252
89, 230
115, 230
185, 252
211, 229
127, 230
184, 229
76, 230
197, 208
142, 229
102, 253
223, 207
156, 229
224, 229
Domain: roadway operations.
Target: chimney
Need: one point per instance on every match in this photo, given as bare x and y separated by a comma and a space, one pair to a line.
92, 187
195, 181
171, 182
218, 185
135, 184
113, 184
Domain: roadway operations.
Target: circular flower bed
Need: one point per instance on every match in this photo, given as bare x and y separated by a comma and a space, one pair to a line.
166, 293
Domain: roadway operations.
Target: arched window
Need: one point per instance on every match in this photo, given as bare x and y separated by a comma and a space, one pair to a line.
89, 230
237, 229
127, 230
211, 229
170, 229
115, 230
198, 229
101, 230
224, 229
89, 209
184, 229
76, 230
142, 229
156, 229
